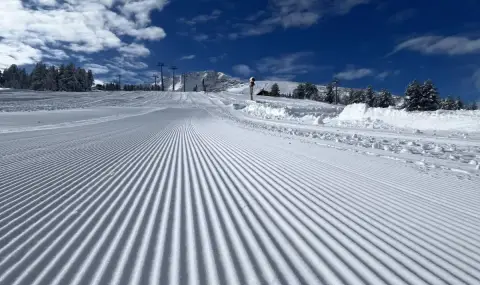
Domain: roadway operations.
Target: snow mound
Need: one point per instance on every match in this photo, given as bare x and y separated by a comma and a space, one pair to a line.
360, 115
314, 113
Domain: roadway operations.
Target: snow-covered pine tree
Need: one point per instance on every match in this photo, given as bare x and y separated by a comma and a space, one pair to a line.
413, 97
358, 96
458, 104
447, 103
369, 96
384, 99
474, 106
299, 92
275, 91
329, 94
429, 100
311, 91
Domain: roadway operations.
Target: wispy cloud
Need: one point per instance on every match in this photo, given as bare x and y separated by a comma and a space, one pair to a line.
383, 75
201, 37
402, 16
134, 50
287, 64
292, 14
242, 69
187, 57
215, 59
453, 45
201, 18
352, 73
97, 68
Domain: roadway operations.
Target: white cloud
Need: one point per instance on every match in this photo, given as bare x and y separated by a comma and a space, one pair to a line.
286, 64
81, 58
128, 62
440, 45
383, 75
201, 18
187, 57
351, 73
215, 59
402, 16
13, 52
242, 69
99, 81
200, 37
96, 68
55, 54
293, 13
134, 50
84, 26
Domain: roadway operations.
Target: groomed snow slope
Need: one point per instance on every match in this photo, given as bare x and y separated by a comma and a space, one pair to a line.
189, 195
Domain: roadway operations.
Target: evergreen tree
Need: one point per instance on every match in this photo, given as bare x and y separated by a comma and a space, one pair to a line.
369, 96
51, 82
458, 104
275, 91
299, 92
39, 77
311, 91
62, 84
447, 103
358, 96
82, 80
2, 81
70, 78
90, 80
429, 99
329, 94
474, 106
413, 97
384, 99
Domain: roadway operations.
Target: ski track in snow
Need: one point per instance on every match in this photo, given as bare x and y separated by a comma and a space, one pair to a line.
183, 196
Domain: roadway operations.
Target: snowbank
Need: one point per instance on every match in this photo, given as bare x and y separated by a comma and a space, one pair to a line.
278, 111
361, 115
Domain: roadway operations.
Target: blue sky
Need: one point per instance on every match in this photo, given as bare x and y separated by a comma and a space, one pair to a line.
383, 43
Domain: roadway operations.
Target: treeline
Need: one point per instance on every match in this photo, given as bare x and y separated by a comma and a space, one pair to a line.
114, 86
48, 78
418, 97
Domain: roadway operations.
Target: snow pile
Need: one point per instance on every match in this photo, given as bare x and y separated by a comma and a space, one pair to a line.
266, 111
360, 115
310, 113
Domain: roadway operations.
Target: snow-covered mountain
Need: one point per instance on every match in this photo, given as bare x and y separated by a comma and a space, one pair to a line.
219, 81
214, 81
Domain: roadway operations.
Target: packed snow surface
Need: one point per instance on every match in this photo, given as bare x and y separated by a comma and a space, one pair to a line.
191, 188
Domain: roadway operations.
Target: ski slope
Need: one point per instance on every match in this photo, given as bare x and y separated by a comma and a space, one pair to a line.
182, 188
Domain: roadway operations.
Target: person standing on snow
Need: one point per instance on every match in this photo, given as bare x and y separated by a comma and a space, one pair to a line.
252, 84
